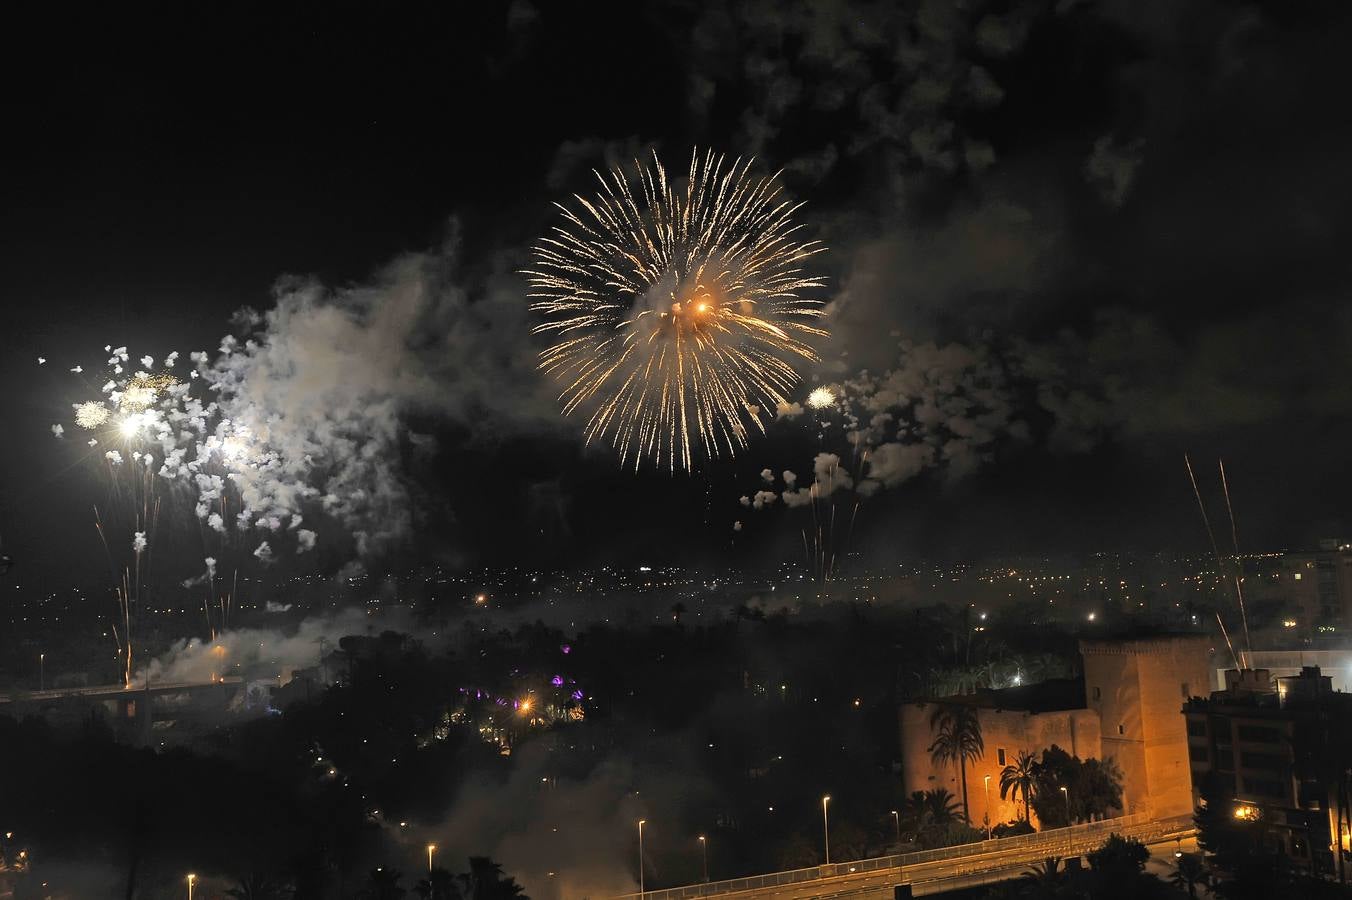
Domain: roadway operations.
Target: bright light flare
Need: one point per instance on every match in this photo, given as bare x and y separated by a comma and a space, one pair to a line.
821, 398
131, 425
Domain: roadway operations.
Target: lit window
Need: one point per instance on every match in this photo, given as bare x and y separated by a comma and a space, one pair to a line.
1297, 576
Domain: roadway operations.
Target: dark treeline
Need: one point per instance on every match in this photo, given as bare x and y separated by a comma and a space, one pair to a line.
736, 729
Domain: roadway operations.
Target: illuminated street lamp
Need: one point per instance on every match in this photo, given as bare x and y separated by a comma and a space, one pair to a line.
191, 880
42, 671
1070, 835
896, 817
704, 847
641, 823
826, 829
431, 848
987, 780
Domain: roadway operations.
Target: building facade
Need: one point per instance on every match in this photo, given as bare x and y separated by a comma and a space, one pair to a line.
1128, 707
1138, 688
1312, 588
1263, 744
1011, 720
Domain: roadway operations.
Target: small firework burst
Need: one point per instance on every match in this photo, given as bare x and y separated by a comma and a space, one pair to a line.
144, 390
821, 398
91, 415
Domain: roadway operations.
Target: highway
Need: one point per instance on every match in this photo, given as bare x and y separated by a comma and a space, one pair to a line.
112, 691
987, 863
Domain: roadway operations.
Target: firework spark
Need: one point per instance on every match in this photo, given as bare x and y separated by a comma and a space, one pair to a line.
821, 398
143, 390
91, 415
677, 312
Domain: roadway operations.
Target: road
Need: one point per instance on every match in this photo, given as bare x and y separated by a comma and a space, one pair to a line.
959, 871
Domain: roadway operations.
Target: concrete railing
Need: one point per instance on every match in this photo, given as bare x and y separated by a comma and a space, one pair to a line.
1055, 841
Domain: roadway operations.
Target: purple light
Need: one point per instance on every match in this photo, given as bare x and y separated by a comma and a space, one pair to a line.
577, 695
567, 648
557, 681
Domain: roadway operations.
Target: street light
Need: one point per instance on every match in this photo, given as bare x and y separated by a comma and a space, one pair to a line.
896, 817
191, 878
42, 671
704, 847
1070, 835
826, 829
988, 807
431, 848
641, 823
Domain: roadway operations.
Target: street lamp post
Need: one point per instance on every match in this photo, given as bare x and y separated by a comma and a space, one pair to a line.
896, 818
1070, 835
191, 879
431, 848
42, 671
988, 807
641, 823
704, 848
826, 829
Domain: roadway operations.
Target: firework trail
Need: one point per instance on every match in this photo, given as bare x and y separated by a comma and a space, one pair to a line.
167, 442
1234, 541
676, 312
1215, 549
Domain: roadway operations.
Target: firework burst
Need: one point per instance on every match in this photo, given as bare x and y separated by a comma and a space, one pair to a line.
677, 312
91, 415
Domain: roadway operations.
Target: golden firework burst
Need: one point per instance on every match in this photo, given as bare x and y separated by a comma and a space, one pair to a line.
677, 311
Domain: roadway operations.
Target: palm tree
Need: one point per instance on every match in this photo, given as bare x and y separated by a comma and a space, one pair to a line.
1020, 778
1046, 876
383, 885
257, 887
958, 741
939, 807
438, 885
1189, 872
486, 881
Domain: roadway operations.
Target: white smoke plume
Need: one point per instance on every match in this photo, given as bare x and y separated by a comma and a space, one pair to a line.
317, 396
763, 498
828, 477
538, 822
265, 652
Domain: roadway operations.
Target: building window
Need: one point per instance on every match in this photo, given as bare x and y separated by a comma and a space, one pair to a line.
1273, 762
1121, 729
1000, 752
1098, 693
1198, 754
1297, 576
1258, 734
1196, 728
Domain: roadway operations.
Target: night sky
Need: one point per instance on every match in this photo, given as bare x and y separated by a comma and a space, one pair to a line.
1135, 214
